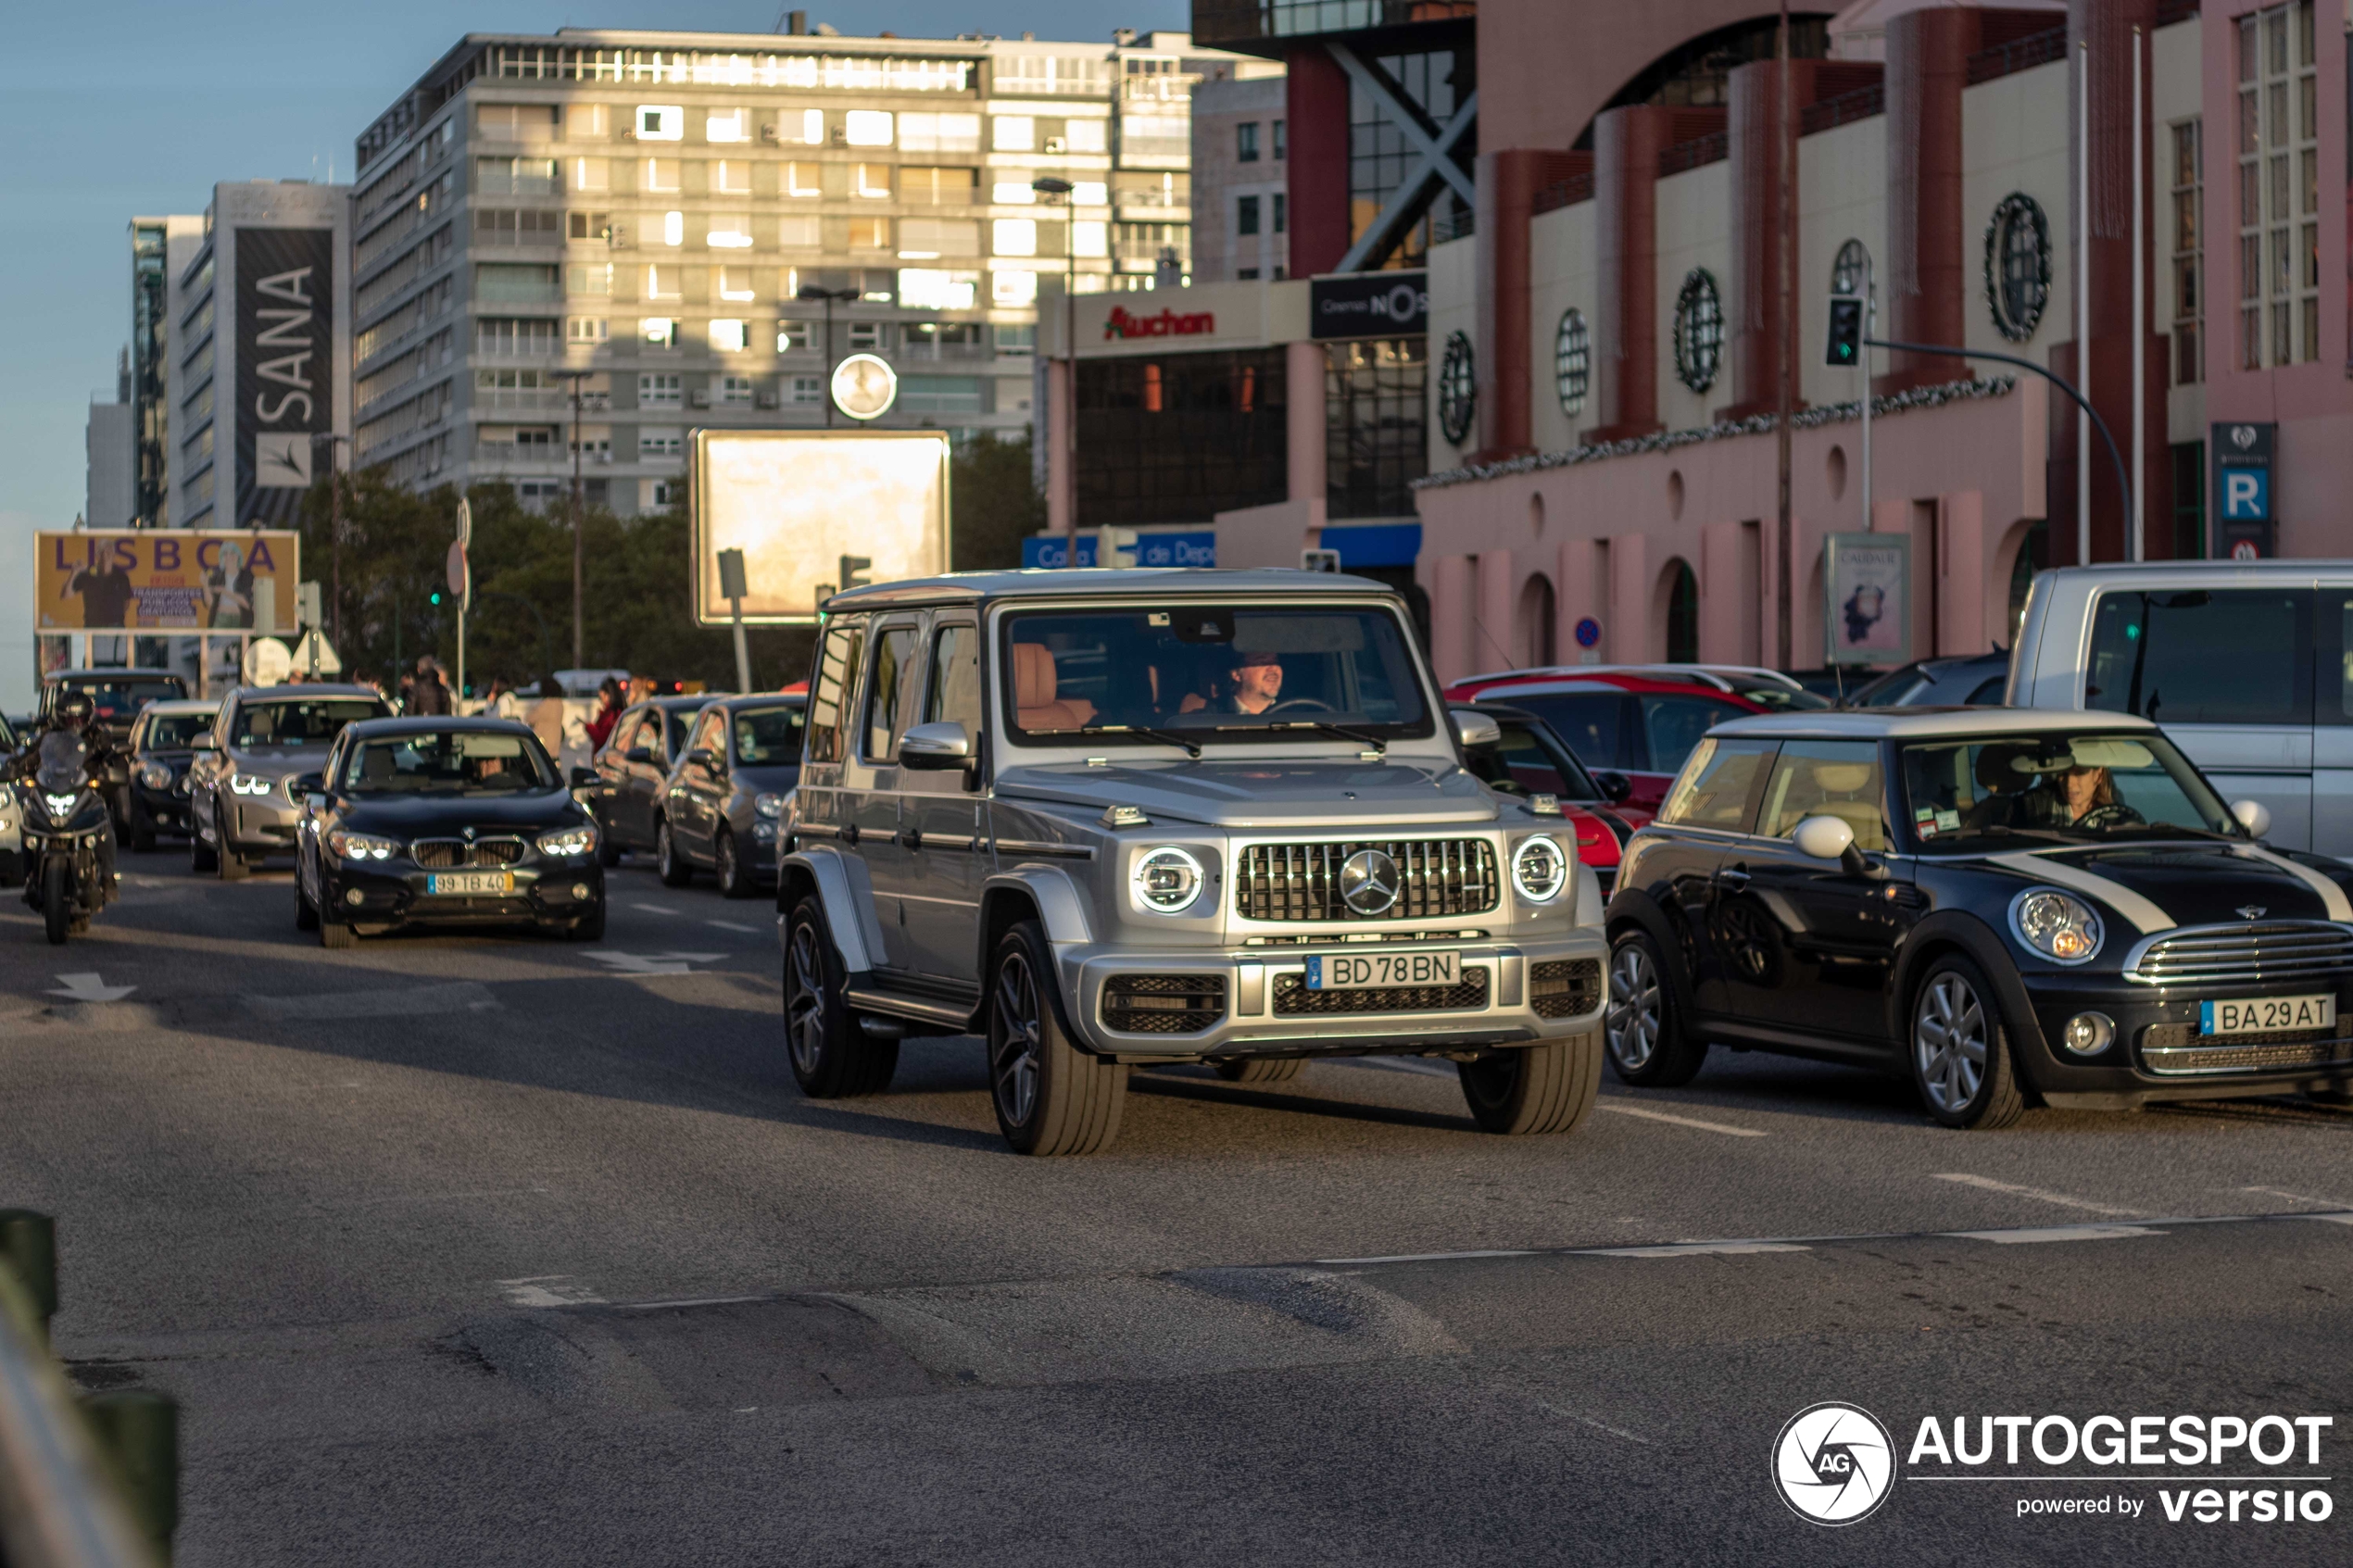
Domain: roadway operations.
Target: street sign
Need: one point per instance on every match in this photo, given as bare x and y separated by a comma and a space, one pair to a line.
731, 575
455, 568
1589, 633
2246, 519
267, 661
1368, 304
313, 654
1319, 561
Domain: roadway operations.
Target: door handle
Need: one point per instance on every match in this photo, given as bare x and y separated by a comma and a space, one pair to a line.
1733, 877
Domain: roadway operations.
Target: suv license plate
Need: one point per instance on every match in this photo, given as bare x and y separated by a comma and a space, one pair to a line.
471, 881
2266, 1015
1381, 971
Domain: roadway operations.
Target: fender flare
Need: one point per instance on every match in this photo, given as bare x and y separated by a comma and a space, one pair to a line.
1986, 948
1051, 891
1631, 906
849, 904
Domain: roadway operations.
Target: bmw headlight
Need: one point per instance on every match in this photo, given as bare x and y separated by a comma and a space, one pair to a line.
1539, 868
249, 783
568, 841
2058, 925
768, 805
349, 845
155, 775
1167, 880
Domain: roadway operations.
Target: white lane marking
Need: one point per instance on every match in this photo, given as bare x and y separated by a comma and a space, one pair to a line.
89, 988
405, 1002
655, 908
2038, 1194
653, 964
2331, 1219
2300, 1196
549, 1290
1690, 1250
731, 926
2056, 1233
1596, 1425
1726, 1128
1436, 1257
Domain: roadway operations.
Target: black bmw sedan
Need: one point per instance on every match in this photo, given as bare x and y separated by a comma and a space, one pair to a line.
2008, 907
445, 821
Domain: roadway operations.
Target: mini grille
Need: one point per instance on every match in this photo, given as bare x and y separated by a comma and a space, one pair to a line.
1439, 877
1565, 988
452, 854
1164, 1004
2173, 1050
1294, 999
2236, 953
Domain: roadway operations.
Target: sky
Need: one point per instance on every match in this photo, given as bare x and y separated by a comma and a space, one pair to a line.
119, 109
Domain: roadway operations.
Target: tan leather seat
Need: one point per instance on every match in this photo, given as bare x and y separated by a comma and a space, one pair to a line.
1037, 704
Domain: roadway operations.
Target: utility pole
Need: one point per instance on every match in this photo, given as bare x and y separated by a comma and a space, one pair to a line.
1786, 240
813, 294
579, 531
1065, 435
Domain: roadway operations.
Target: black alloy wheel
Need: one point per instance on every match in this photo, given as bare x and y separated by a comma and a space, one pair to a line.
1050, 1098
831, 1056
734, 877
1960, 1049
1545, 1089
1647, 1045
668, 863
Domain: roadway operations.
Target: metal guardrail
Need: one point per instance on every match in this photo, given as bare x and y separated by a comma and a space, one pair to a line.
85, 1483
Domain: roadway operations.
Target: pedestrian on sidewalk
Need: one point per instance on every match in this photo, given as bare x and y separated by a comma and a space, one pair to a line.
429, 698
608, 706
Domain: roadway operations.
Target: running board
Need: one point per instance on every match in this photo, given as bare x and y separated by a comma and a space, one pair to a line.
895, 1004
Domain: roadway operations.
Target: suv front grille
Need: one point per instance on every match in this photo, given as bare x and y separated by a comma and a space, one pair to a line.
1440, 878
1565, 987
1164, 1004
454, 854
1294, 999
2227, 955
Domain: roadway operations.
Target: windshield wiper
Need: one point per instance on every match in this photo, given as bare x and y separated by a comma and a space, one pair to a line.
1165, 737
1362, 737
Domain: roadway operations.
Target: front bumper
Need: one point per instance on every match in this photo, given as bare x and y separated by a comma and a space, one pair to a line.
261, 824
393, 895
166, 809
1252, 1002
2157, 1053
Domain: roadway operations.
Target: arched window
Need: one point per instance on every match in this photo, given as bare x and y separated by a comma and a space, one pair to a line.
1847, 271
1572, 361
1699, 330
1682, 617
1457, 389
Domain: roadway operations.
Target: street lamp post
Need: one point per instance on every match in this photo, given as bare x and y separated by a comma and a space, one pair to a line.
1060, 192
815, 295
579, 533
335, 532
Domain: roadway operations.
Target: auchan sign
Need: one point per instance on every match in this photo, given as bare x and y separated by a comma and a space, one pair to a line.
1168, 323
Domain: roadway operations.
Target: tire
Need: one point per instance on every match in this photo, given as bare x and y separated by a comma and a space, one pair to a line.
590, 927
305, 911
143, 831
228, 865
1546, 1088
1646, 1043
202, 860
1050, 1098
831, 1056
734, 877
668, 863
1281, 1070
56, 901
1960, 1049
334, 933
607, 852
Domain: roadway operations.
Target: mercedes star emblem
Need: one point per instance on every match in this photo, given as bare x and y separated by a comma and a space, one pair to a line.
1368, 883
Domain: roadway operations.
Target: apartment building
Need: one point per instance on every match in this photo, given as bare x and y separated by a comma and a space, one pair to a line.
690, 229
1241, 190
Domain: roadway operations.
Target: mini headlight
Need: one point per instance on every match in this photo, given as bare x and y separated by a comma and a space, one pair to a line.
1167, 880
768, 806
350, 846
2058, 925
1539, 868
155, 775
568, 841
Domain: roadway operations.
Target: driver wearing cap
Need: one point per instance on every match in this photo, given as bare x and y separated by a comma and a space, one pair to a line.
1254, 685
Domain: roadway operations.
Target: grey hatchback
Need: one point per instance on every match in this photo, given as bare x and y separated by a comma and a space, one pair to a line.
729, 798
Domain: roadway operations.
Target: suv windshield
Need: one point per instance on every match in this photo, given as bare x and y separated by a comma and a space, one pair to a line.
768, 736
174, 732
299, 721
447, 762
120, 701
1978, 795
1263, 668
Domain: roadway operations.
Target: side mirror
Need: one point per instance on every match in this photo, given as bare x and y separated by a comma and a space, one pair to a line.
1616, 786
203, 742
2254, 816
1474, 728
1824, 838
638, 754
308, 784
937, 747
586, 778
703, 756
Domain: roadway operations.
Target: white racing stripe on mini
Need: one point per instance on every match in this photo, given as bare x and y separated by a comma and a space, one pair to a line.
2146, 916
2331, 896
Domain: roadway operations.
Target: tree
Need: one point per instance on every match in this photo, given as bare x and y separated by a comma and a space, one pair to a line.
994, 503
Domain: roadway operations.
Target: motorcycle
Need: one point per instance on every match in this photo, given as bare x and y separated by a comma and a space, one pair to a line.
69, 837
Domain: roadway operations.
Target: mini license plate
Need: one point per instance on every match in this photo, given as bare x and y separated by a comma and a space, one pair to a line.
2267, 1015
1380, 971
471, 881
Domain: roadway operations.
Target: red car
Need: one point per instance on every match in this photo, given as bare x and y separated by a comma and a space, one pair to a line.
1528, 758
1637, 724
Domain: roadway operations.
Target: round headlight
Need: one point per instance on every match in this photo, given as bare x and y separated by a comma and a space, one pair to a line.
2088, 1033
1540, 868
155, 775
1167, 880
768, 806
2058, 925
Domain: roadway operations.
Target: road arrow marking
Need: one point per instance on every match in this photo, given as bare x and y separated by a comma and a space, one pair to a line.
654, 963
90, 988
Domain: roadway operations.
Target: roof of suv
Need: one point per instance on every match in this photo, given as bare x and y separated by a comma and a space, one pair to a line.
304, 689
181, 707
1904, 723
974, 587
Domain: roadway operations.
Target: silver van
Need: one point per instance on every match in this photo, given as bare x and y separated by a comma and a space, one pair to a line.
2247, 665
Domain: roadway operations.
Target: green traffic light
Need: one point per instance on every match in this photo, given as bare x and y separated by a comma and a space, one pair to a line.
436, 596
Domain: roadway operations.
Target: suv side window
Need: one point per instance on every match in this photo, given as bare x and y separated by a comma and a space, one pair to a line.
1717, 788
955, 678
1815, 778
829, 692
891, 692
2240, 656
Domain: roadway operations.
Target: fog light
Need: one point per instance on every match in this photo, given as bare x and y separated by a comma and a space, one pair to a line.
2088, 1033
580, 890
353, 897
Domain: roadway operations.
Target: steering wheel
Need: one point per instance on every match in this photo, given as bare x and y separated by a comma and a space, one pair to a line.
2116, 816
1301, 702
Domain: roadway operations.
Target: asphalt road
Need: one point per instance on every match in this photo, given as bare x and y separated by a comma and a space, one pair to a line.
491, 1249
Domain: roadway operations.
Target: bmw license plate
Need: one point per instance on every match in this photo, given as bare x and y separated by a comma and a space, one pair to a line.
471, 881
1380, 971
2267, 1015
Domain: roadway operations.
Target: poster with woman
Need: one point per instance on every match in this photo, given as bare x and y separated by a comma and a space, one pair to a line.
1867, 608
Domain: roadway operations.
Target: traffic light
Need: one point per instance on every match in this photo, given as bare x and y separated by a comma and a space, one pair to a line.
1846, 332
436, 596
853, 572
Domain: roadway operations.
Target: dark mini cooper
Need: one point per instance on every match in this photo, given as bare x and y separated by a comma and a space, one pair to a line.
457, 821
2011, 906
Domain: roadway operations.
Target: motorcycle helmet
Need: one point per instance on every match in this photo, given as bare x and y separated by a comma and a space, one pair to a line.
74, 712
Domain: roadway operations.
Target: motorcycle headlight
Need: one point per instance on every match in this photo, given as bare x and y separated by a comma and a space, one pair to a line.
60, 806
247, 783
768, 806
1539, 868
155, 775
2058, 925
1167, 880
568, 841
349, 845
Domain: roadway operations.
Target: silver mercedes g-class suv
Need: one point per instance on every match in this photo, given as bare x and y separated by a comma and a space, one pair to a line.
1120, 818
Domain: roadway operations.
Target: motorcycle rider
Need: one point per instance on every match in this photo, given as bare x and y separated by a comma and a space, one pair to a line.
70, 736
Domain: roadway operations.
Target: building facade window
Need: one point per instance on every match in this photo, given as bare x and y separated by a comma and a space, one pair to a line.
1377, 439
1572, 361
1848, 268
660, 392
1281, 149
1246, 142
1457, 389
2189, 279
2278, 188
1699, 330
2018, 265
1245, 215
1382, 155
1179, 438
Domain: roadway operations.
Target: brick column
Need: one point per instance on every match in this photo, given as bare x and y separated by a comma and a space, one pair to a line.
1304, 383
1509, 182
1627, 142
1452, 636
1316, 104
1923, 280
